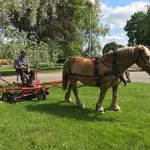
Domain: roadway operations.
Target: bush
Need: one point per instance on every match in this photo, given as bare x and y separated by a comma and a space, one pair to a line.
6, 61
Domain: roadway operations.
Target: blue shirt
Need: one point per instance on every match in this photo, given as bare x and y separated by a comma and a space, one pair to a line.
21, 62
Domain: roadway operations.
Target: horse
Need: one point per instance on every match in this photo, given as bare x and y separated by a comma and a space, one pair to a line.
104, 72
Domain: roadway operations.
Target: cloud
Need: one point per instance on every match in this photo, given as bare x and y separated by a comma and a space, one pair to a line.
119, 39
116, 18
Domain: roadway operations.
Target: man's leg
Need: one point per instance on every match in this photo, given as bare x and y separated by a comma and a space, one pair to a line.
32, 74
21, 72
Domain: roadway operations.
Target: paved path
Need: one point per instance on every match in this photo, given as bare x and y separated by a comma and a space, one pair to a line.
135, 77
140, 77
43, 77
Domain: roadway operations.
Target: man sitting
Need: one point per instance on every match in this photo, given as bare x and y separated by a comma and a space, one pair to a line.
21, 64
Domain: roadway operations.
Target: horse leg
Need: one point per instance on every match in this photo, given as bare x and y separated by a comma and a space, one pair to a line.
99, 107
128, 76
67, 95
75, 91
114, 105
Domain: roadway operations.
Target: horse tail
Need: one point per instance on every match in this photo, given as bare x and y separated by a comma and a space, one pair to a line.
65, 75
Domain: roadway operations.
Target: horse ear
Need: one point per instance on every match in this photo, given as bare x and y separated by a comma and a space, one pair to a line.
140, 48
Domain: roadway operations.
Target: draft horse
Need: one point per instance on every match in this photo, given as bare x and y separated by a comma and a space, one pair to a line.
103, 72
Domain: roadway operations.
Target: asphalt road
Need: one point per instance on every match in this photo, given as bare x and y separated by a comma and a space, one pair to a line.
44, 77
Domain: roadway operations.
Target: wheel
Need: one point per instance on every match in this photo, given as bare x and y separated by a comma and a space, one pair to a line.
41, 96
12, 99
46, 92
5, 97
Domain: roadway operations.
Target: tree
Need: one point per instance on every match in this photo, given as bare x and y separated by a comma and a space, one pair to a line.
64, 23
109, 46
135, 29
147, 27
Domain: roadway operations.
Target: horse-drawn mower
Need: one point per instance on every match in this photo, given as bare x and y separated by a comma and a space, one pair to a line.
14, 92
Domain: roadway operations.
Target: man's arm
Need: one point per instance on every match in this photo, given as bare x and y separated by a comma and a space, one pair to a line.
18, 66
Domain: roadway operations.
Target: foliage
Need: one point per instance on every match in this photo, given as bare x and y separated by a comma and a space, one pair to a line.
37, 53
43, 52
55, 124
6, 62
135, 29
147, 27
110, 46
67, 21
38, 23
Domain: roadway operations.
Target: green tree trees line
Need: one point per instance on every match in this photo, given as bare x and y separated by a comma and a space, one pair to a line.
138, 31
138, 28
47, 29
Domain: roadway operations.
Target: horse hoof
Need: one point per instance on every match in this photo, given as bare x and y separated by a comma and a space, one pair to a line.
80, 106
116, 109
100, 110
68, 100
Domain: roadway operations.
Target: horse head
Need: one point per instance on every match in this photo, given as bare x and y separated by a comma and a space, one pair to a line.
143, 58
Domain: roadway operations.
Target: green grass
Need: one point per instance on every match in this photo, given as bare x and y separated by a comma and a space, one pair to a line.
9, 70
56, 125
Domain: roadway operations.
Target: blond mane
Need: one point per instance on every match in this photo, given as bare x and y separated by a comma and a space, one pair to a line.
125, 51
128, 51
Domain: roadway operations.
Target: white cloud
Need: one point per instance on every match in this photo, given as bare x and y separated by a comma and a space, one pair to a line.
119, 39
117, 17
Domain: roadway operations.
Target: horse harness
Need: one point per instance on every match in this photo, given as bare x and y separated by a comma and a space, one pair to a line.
97, 76
116, 71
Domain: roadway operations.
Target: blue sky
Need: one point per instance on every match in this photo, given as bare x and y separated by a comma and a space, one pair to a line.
114, 3
115, 14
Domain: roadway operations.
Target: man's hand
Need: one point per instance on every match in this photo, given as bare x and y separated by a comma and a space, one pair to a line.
23, 67
19, 67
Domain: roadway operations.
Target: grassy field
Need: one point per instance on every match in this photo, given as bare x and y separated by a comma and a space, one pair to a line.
56, 125
9, 70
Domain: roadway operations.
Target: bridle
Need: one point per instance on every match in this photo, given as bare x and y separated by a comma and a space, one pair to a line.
143, 59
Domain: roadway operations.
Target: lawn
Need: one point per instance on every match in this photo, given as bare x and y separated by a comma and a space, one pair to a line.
53, 124
9, 70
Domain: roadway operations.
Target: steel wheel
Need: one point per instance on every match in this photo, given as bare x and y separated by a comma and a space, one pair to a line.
12, 99
5, 97
41, 96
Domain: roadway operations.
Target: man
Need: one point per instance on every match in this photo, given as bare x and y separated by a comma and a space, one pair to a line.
21, 64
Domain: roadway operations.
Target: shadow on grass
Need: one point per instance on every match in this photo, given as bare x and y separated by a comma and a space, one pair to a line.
68, 110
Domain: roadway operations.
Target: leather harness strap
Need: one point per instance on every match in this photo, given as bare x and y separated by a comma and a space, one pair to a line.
117, 69
97, 76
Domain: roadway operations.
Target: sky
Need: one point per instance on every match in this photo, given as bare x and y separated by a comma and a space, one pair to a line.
115, 13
